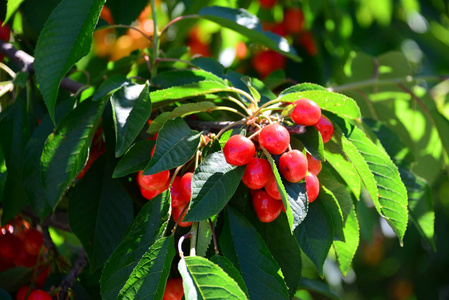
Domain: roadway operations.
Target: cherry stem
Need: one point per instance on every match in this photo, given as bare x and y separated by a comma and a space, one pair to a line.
214, 237
194, 232
229, 126
177, 20
70, 279
239, 103
243, 93
229, 109
155, 38
254, 134
179, 219
180, 241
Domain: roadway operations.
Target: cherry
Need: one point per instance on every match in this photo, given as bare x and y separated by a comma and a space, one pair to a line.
9, 245
307, 40
267, 4
23, 258
177, 196
275, 138
306, 112
267, 208
23, 292
173, 289
33, 241
154, 181
238, 150
5, 33
326, 128
176, 212
313, 164
39, 295
265, 62
293, 165
42, 274
186, 186
150, 194
257, 173
272, 188
293, 20
312, 186
5, 264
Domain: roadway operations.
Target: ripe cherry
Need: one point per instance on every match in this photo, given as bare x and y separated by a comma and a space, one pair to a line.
267, 4
150, 194
275, 138
23, 292
267, 208
177, 196
265, 62
9, 245
39, 295
313, 164
326, 128
176, 212
33, 241
154, 181
186, 186
173, 289
257, 173
238, 150
307, 40
23, 258
5, 33
293, 165
306, 112
312, 186
272, 188
294, 20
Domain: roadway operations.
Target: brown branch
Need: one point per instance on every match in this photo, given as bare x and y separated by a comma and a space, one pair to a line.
69, 280
57, 219
26, 61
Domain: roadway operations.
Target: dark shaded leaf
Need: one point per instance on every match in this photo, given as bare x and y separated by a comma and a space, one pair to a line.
135, 159
229, 268
110, 85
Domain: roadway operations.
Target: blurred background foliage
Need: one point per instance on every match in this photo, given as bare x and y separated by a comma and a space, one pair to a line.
392, 57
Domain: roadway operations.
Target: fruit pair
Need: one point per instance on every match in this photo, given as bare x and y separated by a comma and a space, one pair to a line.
154, 184
32, 294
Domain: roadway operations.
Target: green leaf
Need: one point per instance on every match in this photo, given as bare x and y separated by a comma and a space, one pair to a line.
149, 226
203, 279
3, 173
148, 277
317, 286
169, 95
64, 40
180, 111
392, 201
312, 141
315, 234
204, 237
213, 184
66, 150
328, 199
302, 87
124, 13
229, 268
247, 80
243, 245
236, 79
110, 212
182, 77
346, 249
294, 196
247, 24
285, 250
31, 177
338, 104
135, 159
420, 205
132, 108
175, 145
4, 295
13, 278
110, 85
11, 8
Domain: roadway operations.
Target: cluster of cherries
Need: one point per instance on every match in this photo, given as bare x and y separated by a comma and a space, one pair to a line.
21, 245
293, 165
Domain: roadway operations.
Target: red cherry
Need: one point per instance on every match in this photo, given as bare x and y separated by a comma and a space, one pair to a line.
312, 186
154, 181
33, 241
267, 3
293, 165
173, 289
42, 275
150, 194
265, 62
5, 33
313, 164
267, 208
293, 20
23, 258
39, 295
272, 188
177, 197
9, 245
176, 212
186, 186
326, 128
275, 138
306, 112
23, 292
257, 173
307, 40
238, 150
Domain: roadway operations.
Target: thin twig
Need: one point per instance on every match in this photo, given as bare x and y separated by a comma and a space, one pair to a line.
181, 240
214, 238
69, 280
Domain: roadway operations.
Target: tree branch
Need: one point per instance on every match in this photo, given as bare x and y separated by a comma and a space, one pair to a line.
69, 280
26, 61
